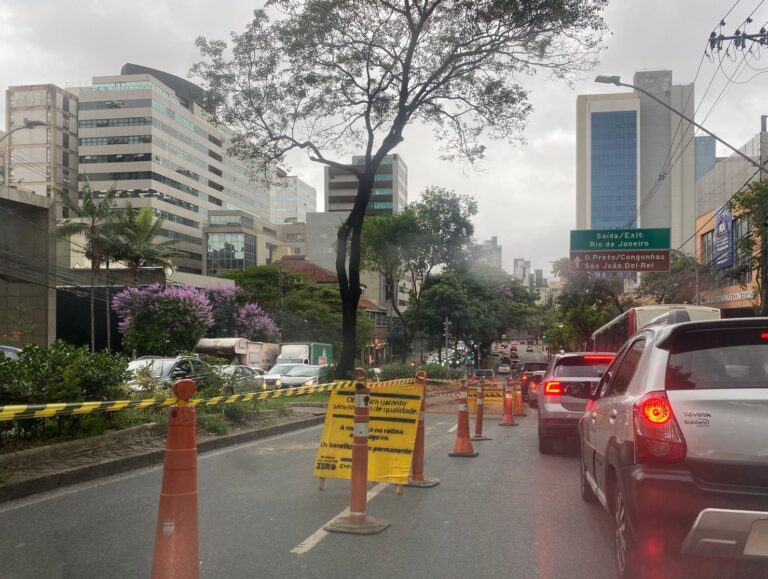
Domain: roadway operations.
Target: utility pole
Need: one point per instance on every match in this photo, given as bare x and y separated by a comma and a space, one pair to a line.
280, 305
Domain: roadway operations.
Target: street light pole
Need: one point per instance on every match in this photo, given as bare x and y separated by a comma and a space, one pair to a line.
27, 125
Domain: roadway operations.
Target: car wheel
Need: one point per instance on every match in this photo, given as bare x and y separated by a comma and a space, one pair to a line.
629, 564
587, 494
546, 444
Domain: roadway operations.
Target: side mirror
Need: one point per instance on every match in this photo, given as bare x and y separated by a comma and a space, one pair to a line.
179, 373
579, 390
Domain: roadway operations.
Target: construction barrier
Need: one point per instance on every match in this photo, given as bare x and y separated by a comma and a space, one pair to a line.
463, 445
176, 533
394, 417
357, 522
417, 469
519, 402
493, 397
24, 411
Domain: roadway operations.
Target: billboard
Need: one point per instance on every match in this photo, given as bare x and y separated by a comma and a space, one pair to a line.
723, 239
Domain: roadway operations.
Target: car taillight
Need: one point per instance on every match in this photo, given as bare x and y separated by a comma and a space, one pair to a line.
658, 438
524, 377
553, 388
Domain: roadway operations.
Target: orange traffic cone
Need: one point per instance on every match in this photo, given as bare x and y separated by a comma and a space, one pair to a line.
519, 404
463, 445
357, 522
509, 402
176, 534
480, 406
417, 478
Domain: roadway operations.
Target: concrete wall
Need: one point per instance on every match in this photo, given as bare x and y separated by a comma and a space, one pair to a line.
27, 268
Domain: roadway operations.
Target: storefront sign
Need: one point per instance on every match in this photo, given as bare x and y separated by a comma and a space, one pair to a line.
723, 242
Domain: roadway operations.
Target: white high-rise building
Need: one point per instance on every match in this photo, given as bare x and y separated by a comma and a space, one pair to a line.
635, 160
292, 199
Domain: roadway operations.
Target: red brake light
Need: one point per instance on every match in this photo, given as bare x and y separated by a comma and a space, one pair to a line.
524, 377
658, 439
599, 358
656, 410
764, 336
553, 387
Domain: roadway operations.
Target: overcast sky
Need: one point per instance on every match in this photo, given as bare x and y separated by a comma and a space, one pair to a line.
526, 193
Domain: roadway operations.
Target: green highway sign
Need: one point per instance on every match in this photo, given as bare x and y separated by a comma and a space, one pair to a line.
619, 239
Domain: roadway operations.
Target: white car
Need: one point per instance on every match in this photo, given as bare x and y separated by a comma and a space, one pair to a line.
673, 444
503, 369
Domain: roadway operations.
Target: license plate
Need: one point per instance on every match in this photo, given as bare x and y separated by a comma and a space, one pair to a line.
757, 542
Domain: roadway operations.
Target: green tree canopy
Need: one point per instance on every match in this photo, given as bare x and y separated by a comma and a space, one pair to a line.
333, 77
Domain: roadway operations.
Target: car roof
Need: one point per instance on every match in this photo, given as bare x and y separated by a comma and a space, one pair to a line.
665, 333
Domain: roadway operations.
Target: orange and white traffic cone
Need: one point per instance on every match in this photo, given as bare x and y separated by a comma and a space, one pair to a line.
357, 522
480, 406
463, 446
417, 478
519, 403
176, 534
509, 401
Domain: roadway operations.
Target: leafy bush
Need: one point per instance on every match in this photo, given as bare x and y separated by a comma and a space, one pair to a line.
236, 413
63, 373
434, 371
213, 423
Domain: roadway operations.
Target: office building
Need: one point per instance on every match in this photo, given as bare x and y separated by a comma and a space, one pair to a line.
635, 160
706, 156
489, 252
390, 192
728, 281
145, 133
291, 200
44, 158
521, 269
236, 240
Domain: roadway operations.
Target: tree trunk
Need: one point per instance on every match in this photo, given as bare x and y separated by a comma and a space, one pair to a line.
93, 310
763, 289
349, 283
107, 308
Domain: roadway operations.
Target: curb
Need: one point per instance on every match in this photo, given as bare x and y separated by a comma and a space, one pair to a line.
20, 489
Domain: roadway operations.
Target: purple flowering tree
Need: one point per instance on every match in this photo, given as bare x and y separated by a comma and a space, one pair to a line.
162, 321
234, 318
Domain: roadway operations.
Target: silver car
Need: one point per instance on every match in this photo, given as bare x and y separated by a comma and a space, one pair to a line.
273, 378
559, 412
673, 444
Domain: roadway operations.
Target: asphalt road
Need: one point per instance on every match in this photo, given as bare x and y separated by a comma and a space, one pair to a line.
507, 513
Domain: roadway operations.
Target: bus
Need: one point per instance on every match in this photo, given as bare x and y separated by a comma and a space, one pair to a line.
611, 336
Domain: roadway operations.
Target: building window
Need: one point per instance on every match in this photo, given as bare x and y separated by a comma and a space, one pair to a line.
230, 251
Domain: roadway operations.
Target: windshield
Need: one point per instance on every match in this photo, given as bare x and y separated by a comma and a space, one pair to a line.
532, 367
281, 368
303, 371
158, 367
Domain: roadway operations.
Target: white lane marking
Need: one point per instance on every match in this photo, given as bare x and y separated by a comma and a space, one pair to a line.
452, 428
321, 533
70, 490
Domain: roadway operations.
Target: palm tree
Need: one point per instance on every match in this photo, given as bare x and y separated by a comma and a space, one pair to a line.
137, 234
94, 218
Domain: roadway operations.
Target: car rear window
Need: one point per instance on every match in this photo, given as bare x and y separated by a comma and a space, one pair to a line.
581, 366
532, 367
718, 358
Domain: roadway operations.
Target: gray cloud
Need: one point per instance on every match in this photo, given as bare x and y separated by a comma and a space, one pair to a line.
525, 192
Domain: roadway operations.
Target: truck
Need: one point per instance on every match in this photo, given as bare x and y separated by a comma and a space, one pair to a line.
240, 350
315, 353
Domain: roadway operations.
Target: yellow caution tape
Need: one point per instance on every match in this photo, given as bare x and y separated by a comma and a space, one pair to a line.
24, 411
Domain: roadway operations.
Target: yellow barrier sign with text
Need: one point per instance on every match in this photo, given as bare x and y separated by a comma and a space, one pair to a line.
493, 399
393, 421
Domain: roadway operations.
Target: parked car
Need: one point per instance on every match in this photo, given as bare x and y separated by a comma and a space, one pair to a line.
302, 375
526, 371
241, 378
503, 369
167, 370
680, 417
483, 374
10, 352
272, 379
534, 384
559, 409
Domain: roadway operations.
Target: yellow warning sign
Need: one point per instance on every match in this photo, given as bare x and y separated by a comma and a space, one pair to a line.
493, 399
393, 421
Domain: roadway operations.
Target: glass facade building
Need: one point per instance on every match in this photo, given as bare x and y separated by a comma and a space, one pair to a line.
614, 169
230, 251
